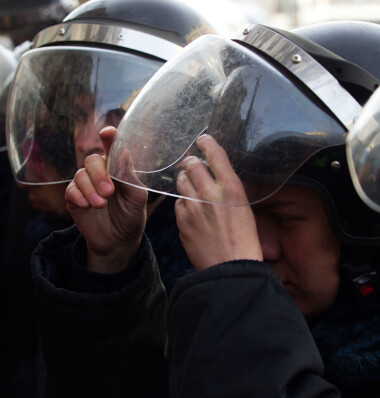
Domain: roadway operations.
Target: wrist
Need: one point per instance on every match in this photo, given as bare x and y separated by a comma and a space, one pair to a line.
113, 261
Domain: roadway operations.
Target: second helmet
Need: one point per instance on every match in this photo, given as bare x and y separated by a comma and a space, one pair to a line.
83, 74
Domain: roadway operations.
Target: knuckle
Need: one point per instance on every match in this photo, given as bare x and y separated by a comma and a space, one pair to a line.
90, 159
189, 162
235, 189
79, 173
208, 193
178, 209
181, 180
194, 166
72, 193
69, 190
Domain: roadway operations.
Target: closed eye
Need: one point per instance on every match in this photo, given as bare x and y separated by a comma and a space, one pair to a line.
285, 221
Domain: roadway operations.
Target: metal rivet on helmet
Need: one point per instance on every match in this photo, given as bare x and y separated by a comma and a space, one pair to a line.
296, 59
335, 165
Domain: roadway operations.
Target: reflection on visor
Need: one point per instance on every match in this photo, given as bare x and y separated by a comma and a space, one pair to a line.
363, 153
60, 99
267, 126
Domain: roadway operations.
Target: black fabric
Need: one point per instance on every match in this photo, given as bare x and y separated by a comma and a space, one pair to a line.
163, 233
100, 344
233, 331
6, 178
25, 373
5, 348
348, 338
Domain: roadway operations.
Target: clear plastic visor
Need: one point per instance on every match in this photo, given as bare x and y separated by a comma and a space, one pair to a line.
262, 119
8, 64
60, 99
363, 152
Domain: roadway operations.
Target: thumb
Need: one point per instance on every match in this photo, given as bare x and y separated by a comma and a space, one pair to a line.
107, 135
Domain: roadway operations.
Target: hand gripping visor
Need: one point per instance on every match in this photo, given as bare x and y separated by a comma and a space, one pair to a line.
270, 108
363, 152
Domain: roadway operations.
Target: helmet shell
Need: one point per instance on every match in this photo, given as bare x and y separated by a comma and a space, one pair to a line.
351, 40
353, 44
102, 53
169, 19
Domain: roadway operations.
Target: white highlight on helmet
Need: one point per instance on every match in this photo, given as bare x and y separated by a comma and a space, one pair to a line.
363, 152
225, 15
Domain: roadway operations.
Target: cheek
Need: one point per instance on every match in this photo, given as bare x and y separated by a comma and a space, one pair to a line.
314, 266
313, 248
318, 297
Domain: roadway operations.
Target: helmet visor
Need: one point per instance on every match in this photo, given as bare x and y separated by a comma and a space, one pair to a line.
266, 122
60, 99
8, 64
363, 152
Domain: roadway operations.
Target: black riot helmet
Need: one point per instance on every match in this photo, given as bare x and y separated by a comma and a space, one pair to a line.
22, 19
83, 74
171, 20
328, 171
279, 103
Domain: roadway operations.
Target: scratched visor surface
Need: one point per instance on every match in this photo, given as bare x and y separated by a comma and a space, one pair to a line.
61, 97
363, 152
265, 120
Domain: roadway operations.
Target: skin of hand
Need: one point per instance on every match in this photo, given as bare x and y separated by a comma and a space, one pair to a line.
214, 233
111, 216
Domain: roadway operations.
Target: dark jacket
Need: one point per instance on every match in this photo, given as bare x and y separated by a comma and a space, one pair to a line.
102, 335
348, 338
233, 331
163, 234
24, 373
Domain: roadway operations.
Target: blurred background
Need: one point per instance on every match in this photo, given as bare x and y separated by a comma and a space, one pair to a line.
285, 14
293, 13
289, 14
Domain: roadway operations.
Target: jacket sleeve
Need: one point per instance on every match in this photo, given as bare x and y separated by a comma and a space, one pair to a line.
102, 335
233, 331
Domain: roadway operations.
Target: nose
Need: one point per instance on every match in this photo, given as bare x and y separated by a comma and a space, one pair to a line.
87, 140
269, 240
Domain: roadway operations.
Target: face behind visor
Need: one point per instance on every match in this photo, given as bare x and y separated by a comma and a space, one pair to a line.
75, 92
281, 116
269, 116
83, 74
